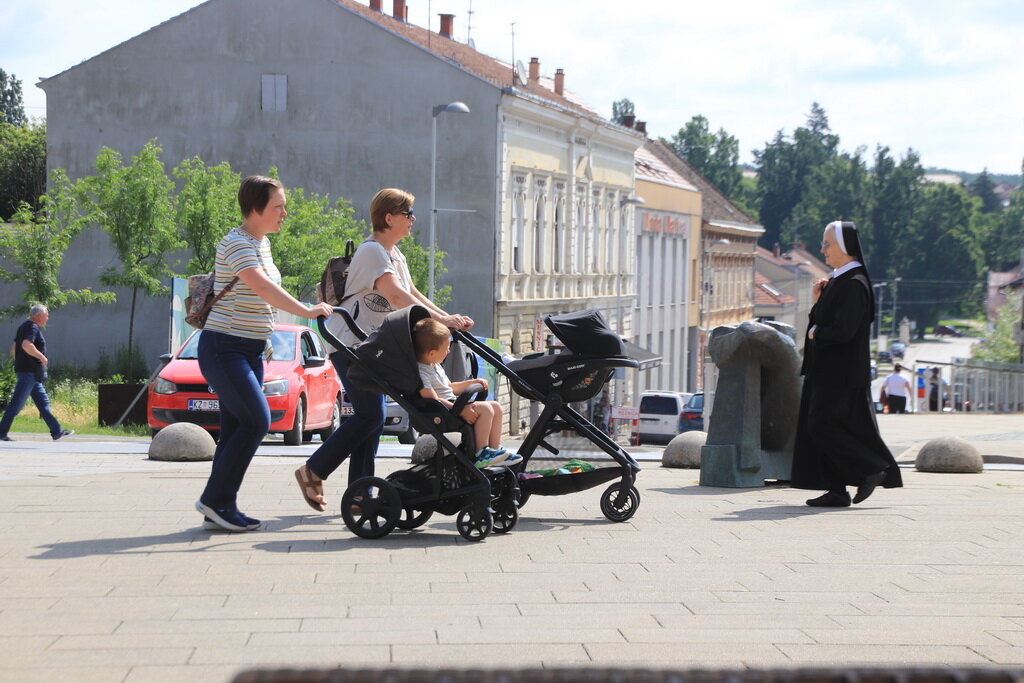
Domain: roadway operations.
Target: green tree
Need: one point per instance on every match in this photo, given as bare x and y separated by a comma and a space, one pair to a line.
984, 189
714, 155
896, 192
315, 231
1000, 342
133, 205
22, 165
838, 189
784, 171
37, 244
621, 109
12, 108
941, 252
206, 208
1004, 242
417, 255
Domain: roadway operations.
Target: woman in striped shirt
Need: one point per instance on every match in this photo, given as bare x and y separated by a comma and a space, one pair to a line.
233, 342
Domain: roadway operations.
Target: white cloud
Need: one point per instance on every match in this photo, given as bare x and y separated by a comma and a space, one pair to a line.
940, 76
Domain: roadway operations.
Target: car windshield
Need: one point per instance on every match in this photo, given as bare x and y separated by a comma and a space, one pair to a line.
658, 405
696, 402
282, 342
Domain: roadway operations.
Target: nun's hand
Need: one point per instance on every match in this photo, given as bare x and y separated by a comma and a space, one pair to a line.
817, 287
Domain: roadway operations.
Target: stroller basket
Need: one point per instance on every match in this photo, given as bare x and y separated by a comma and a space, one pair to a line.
561, 484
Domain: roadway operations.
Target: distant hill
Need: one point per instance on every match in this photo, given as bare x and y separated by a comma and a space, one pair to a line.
1014, 180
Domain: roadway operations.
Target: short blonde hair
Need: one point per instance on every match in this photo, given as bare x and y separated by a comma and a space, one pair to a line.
388, 200
428, 334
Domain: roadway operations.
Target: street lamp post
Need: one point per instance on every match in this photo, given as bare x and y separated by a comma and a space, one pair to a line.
457, 108
895, 298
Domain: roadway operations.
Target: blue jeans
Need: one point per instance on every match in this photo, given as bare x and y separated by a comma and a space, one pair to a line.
233, 366
27, 385
357, 437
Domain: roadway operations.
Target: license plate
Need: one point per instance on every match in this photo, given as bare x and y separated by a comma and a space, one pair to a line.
203, 404
348, 410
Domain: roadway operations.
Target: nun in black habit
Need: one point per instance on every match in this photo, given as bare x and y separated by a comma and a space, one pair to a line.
837, 439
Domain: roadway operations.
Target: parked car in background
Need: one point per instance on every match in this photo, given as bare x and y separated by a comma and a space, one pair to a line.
946, 331
897, 349
884, 356
301, 386
396, 420
874, 369
660, 412
692, 418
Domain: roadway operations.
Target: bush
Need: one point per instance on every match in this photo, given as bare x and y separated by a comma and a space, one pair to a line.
7, 380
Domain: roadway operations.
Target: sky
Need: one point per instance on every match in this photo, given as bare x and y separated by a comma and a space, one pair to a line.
940, 76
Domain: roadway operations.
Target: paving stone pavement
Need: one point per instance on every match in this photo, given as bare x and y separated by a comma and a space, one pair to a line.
106, 574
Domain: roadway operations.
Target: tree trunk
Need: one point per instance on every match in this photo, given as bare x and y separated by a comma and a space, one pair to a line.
131, 335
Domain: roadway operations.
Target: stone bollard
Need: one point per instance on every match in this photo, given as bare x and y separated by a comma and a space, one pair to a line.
182, 441
684, 450
424, 448
949, 454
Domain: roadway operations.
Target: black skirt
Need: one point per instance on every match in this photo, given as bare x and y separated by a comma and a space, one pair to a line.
837, 440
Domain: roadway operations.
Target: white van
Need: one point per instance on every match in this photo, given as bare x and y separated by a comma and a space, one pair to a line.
659, 415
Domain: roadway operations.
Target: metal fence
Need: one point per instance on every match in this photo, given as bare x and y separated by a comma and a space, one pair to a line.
968, 385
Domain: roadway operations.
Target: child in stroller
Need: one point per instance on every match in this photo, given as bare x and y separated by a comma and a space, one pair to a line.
432, 342
485, 499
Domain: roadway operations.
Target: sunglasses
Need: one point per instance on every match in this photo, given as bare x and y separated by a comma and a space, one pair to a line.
407, 214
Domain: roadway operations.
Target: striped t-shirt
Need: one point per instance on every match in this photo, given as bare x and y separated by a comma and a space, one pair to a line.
242, 312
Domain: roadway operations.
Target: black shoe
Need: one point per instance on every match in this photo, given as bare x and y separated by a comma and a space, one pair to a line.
832, 499
867, 487
66, 432
6, 438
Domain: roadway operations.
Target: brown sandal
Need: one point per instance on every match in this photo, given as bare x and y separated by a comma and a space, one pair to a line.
312, 488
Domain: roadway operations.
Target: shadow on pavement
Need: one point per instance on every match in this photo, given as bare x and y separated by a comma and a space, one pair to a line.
774, 513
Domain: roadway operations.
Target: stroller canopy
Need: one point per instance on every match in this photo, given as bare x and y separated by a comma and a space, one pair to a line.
586, 333
390, 354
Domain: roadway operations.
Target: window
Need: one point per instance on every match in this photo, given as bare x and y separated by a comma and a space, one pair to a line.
594, 234
558, 237
581, 231
539, 228
274, 92
518, 230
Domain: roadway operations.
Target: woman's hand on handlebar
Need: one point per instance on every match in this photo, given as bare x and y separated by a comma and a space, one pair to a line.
319, 311
457, 322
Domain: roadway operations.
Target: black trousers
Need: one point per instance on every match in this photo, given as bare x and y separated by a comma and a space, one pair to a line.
897, 404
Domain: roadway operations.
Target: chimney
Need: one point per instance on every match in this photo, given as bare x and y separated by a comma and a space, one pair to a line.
375, 5
777, 250
399, 10
559, 80
534, 69
447, 20
628, 120
641, 127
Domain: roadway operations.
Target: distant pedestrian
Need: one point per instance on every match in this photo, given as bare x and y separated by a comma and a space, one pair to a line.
897, 388
30, 366
837, 439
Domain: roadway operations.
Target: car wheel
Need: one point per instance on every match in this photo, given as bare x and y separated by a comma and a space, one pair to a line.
409, 436
293, 437
326, 432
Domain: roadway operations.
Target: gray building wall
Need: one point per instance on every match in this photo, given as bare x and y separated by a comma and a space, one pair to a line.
358, 118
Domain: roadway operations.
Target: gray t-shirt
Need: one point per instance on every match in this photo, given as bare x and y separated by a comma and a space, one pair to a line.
366, 304
434, 377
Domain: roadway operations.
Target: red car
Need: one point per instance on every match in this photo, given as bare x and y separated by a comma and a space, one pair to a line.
301, 386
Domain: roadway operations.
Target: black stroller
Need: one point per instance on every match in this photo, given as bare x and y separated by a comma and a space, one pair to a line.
577, 373
487, 499
450, 483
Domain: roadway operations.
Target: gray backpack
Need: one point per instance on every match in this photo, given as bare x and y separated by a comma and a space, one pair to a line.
331, 288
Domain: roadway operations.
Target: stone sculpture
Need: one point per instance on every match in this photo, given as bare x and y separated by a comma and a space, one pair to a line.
752, 426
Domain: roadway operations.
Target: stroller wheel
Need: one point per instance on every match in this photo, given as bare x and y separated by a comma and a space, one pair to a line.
505, 517
371, 507
412, 518
474, 522
618, 507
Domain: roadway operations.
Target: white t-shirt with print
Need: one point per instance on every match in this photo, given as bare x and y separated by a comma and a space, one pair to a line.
434, 377
367, 305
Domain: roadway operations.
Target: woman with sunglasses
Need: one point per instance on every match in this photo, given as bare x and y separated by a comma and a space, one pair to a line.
378, 283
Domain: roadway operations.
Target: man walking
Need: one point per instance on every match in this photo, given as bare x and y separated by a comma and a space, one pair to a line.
896, 388
30, 364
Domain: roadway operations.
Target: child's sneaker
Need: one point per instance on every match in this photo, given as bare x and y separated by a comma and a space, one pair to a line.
489, 456
513, 459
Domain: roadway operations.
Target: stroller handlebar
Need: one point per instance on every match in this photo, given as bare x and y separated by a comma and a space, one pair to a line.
321, 324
